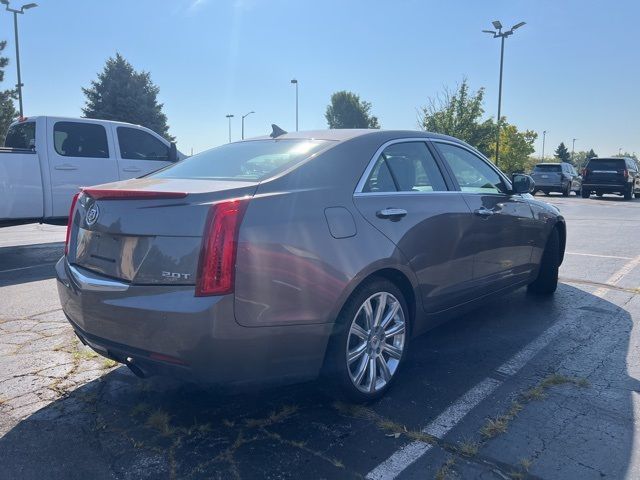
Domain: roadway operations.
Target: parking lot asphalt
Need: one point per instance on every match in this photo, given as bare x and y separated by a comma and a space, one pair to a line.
523, 387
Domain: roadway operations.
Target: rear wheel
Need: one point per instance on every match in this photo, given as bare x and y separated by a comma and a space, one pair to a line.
628, 193
636, 195
547, 281
585, 193
370, 341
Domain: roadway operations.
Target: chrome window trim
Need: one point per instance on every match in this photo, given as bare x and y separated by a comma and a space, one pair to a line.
478, 154
367, 171
91, 282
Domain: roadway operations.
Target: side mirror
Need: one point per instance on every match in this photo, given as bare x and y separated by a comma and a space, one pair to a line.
521, 183
173, 153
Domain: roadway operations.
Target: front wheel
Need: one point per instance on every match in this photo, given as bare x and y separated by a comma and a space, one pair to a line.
628, 193
585, 193
370, 341
546, 282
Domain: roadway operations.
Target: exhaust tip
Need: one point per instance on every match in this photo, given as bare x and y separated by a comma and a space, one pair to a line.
137, 371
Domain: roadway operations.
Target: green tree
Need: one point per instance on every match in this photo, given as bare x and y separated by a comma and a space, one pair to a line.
581, 158
8, 111
627, 154
123, 94
562, 153
515, 148
346, 110
459, 114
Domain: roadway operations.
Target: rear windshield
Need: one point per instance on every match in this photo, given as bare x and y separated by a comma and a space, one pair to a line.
606, 164
547, 168
255, 160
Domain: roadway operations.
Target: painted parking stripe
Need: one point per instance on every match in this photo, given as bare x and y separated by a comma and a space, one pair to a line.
27, 268
447, 420
599, 256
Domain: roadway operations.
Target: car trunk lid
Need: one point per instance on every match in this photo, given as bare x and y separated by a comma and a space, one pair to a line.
147, 231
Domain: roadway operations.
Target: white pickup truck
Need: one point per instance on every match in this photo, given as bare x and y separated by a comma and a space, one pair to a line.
45, 160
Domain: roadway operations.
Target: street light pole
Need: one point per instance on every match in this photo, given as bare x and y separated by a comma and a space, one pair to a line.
498, 33
243, 117
15, 31
295, 82
573, 147
229, 117
544, 136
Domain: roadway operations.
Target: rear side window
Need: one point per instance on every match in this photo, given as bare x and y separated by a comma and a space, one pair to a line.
75, 139
405, 167
606, 164
21, 135
253, 161
137, 144
547, 168
474, 175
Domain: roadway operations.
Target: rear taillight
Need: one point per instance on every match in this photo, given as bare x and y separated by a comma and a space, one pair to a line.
115, 194
70, 223
585, 172
216, 267
625, 173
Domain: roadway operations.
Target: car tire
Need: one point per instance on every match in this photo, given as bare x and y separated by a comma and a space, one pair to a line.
546, 192
628, 193
636, 195
534, 192
368, 346
585, 193
567, 191
546, 282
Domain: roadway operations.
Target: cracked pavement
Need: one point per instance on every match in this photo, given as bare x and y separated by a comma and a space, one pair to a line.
67, 413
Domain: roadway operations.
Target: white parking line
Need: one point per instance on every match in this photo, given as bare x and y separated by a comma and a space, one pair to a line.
456, 412
599, 256
27, 268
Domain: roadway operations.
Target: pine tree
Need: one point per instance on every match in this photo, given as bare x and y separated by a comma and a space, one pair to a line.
8, 111
121, 93
562, 153
591, 154
346, 110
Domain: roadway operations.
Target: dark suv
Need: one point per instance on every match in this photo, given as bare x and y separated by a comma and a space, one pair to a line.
556, 177
611, 175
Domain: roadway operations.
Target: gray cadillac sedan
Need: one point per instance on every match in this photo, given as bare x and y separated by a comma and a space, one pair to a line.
284, 257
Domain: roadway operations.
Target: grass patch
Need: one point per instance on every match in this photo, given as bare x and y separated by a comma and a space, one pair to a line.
274, 417
159, 420
140, 408
108, 363
445, 470
526, 463
468, 448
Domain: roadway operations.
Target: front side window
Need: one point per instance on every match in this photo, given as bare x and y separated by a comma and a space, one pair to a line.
405, 167
21, 135
472, 172
137, 144
75, 139
256, 160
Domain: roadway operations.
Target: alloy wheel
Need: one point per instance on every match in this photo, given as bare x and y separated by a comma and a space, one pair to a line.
376, 342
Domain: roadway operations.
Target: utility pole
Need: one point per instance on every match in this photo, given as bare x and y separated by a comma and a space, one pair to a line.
229, 117
544, 135
498, 33
243, 117
15, 31
295, 82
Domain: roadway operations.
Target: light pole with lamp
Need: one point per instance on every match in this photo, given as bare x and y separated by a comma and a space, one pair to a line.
229, 117
15, 30
243, 117
295, 82
544, 136
573, 147
498, 33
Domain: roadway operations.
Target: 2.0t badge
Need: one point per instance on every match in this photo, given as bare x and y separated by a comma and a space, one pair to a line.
92, 214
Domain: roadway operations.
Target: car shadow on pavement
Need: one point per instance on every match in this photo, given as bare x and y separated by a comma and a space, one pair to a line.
119, 426
22, 264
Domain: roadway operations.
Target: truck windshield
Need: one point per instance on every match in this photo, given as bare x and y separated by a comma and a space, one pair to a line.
547, 168
253, 160
21, 135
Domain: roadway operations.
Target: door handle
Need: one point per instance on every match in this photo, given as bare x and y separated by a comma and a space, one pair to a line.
66, 166
391, 213
484, 212
131, 169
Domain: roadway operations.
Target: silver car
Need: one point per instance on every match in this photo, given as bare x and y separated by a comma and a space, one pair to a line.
284, 257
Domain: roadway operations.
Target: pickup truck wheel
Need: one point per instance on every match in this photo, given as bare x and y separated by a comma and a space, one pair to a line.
370, 342
585, 193
547, 281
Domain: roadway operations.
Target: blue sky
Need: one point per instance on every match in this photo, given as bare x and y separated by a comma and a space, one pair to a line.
573, 70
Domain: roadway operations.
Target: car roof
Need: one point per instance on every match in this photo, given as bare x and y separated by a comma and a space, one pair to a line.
75, 119
551, 163
344, 134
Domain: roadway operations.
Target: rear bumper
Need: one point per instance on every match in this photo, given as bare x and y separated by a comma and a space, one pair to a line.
166, 330
551, 187
606, 188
